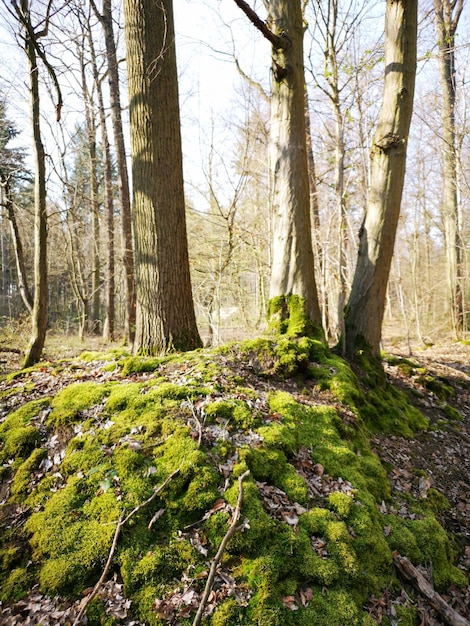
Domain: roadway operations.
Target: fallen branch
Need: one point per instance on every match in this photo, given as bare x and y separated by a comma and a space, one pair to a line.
409, 571
220, 551
121, 522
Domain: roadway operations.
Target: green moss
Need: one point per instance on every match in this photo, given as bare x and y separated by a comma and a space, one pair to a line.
68, 403
19, 442
437, 385
97, 616
21, 483
335, 608
23, 415
9, 556
287, 315
341, 503
16, 585
452, 413
72, 536
435, 548
229, 613
234, 414
140, 364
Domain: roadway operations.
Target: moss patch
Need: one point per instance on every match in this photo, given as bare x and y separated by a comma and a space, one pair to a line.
311, 521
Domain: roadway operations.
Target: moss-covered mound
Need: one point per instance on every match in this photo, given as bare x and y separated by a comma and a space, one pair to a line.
315, 536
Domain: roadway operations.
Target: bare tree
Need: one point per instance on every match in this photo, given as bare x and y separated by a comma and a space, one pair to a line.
292, 259
366, 304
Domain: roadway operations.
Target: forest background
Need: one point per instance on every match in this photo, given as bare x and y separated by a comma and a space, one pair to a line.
224, 94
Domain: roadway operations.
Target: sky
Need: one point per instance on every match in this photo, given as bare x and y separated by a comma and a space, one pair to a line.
209, 33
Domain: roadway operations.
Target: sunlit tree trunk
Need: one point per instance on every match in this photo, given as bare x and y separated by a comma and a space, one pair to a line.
39, 314
366, 304
292, 260
165, 311
90, 120
108, 330
106, 20
447, 18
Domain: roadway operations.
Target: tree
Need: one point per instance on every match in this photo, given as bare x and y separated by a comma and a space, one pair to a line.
448, 13
11, 163
33, 51
106, 21
165, 311
365, 310
292, 259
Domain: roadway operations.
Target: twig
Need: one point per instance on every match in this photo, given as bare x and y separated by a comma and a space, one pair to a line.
198, 422
220, 551
409, 571
121, 522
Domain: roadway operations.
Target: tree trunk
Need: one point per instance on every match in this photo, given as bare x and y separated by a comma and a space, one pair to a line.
90, 120
165, 311
292, 260
108, 330
366, 305
39, 315
447, 18
19, 255
123, 177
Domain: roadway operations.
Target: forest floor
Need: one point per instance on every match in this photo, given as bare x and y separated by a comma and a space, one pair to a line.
442, 453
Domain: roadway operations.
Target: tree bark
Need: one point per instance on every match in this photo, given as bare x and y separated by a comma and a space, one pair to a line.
108, 330
90, 121
123, 177
165, 311
366, 304
447, 18
39, 314
292, 259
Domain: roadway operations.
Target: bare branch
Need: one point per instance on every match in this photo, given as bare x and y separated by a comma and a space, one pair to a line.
220, 551
279, 42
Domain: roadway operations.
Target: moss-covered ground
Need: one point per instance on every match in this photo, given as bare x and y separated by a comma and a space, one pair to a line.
319, 521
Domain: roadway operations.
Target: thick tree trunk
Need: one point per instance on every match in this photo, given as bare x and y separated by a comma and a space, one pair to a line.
39, 315
366, 305
447, 18
292, 259
123, 177
165, 311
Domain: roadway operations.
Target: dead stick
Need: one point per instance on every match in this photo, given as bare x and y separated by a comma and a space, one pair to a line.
220, 551
409, 571
121, 522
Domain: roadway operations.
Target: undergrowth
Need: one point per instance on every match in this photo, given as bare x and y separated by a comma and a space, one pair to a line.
215, 415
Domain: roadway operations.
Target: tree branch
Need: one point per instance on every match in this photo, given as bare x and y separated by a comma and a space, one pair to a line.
121, 522
409, 571
220, 551
279, 42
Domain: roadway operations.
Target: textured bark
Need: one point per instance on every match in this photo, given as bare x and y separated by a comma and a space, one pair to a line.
165, 312
366, 305
447, 18
123, 177
292, 260
39, 315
